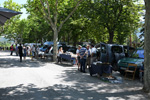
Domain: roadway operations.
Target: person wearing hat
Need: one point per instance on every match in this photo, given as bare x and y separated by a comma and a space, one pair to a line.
78, 56
83, 55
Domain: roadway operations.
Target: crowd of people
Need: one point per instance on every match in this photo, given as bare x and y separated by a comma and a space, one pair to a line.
23, 51
86, 55
4, 48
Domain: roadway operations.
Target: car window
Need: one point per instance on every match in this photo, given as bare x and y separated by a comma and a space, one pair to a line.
103, 48
138, 54
45, 46
116, 49
125, 50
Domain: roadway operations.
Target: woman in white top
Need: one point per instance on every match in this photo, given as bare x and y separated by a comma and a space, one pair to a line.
60, 51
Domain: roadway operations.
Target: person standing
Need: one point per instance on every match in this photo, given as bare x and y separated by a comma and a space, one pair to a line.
16, 49
24, 52
83, 54
33, 52
37, 51
78, 56
93, 54
60, 51
11, 49
20, 52
88, 61
29, 50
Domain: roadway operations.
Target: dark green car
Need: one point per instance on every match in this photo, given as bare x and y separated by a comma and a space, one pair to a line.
136, 58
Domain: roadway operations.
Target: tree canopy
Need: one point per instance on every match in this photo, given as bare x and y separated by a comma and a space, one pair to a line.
96, 21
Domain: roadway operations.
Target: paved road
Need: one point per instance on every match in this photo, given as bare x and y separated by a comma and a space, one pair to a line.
44, 80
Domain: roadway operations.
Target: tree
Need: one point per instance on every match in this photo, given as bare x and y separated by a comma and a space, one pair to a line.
51, 10
38, 29
118, 17
9, 27
146, 48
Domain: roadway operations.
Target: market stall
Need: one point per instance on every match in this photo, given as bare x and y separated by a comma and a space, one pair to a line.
68, 57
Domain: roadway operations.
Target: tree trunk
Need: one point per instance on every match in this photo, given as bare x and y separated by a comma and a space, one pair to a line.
55, 49
111, 36
146, 86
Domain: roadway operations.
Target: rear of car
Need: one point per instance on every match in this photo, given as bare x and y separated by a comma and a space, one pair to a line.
111, 53
136, 58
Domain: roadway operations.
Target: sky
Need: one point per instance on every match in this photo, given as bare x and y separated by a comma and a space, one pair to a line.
23, 15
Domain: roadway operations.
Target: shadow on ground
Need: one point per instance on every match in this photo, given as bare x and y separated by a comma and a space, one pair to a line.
96, 89
13, 61
63, 92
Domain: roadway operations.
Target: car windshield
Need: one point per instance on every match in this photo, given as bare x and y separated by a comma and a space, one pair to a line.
45, 46
138, 54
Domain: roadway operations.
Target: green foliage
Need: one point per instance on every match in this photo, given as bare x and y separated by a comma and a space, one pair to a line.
5, 44
94, 20
118, 17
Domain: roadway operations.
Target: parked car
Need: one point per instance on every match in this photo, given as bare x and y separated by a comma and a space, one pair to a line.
136, 58
72, 49
51, 49
111, 53
128, 50
47, 45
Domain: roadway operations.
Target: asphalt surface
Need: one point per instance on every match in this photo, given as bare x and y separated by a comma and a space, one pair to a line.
45, 80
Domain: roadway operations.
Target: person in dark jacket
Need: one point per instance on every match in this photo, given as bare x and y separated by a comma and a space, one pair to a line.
20, 52
11, 49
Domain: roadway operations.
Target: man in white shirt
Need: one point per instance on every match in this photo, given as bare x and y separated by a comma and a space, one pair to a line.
88, 61
93, 54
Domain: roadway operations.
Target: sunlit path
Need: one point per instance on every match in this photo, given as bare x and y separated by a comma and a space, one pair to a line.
36, 80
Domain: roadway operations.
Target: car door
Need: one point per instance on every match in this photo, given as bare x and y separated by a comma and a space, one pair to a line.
103, 53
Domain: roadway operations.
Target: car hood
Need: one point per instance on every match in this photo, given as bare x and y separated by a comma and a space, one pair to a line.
131, 60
